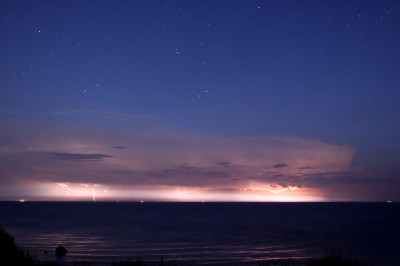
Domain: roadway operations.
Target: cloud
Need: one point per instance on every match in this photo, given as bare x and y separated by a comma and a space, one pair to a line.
119, 147
9, 112
305, 168
188, 162
92, 114
104, 113
280, 165
78, 156
165, 159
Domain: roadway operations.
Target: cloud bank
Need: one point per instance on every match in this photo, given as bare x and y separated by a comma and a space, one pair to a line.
128, 163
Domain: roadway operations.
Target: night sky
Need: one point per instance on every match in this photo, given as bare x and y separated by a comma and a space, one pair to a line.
200, 100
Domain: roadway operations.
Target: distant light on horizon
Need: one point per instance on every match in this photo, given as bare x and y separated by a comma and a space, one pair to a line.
88, 192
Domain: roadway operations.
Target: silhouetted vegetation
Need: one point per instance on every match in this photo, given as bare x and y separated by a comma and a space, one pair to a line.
10, 254
61, 251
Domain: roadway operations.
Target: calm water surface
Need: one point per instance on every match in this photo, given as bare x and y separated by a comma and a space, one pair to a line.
205, 233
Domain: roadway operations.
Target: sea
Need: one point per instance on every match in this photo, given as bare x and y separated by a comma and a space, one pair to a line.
204, 233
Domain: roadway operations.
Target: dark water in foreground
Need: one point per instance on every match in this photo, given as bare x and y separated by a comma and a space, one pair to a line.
205, 233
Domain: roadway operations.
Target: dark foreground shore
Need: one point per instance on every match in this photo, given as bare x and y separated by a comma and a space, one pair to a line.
11, 254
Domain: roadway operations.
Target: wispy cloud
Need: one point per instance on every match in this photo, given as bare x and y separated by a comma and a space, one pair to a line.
105, 114
279, 165
119, 147
10, 112
79, 156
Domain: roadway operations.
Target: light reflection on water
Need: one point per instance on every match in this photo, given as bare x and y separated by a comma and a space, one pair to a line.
205, 234
93, 248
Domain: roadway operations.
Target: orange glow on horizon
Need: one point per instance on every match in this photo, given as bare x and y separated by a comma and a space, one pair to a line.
98, 192
273, 191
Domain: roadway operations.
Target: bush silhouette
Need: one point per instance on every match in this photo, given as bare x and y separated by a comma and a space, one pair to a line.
61, 251
10, 254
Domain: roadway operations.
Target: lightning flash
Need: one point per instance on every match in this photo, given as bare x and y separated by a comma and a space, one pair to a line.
273, 191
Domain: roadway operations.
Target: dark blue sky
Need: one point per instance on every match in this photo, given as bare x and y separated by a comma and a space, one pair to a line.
327, 71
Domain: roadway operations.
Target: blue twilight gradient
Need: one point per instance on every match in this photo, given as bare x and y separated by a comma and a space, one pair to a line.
325, 70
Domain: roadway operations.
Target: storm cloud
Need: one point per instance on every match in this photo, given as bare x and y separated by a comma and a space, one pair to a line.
181, 167
259, 164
